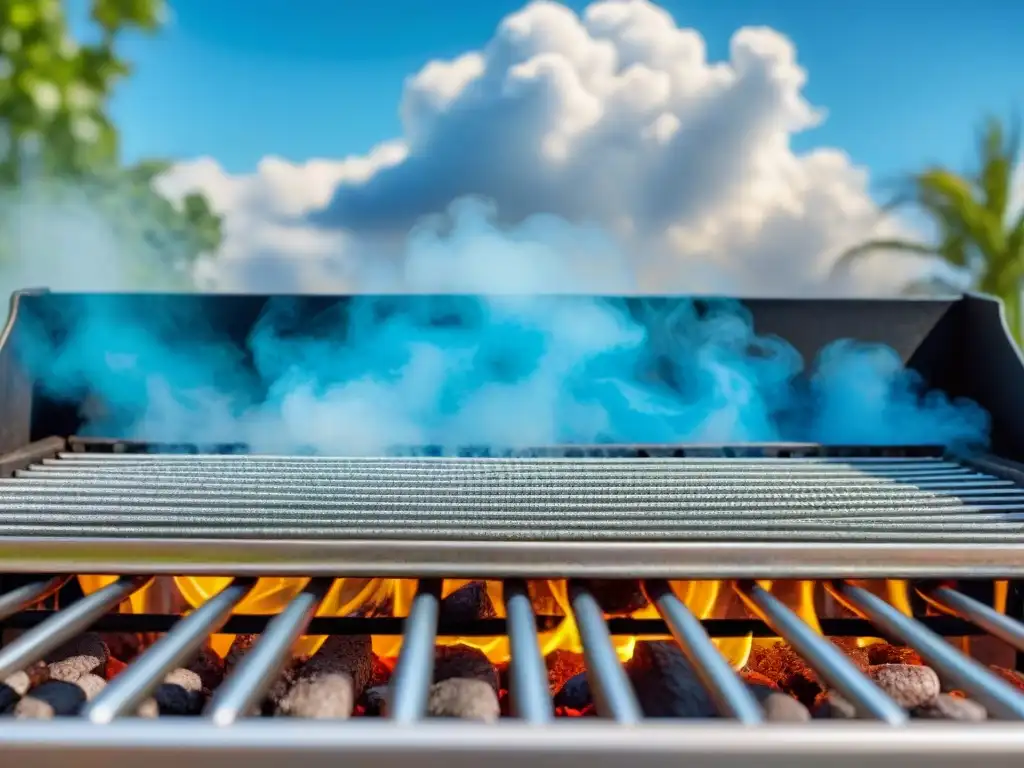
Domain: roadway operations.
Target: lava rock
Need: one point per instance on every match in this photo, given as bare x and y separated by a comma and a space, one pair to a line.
909, 685
465, 662
946, 707
467, 699
666, 684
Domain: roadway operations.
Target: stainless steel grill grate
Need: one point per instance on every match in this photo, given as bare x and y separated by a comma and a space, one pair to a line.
491, 516
106, 730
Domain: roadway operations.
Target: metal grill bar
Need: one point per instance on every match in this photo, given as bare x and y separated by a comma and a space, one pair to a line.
528, 678
996, 695
61, 627
20, 598
995, 623
613, 693
730, 693
318, 744
827, 660
414, 670
259, 668
129, 689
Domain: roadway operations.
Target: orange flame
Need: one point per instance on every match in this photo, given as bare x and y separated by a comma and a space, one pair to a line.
705, 599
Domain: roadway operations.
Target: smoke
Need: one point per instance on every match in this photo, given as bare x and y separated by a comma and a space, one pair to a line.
501, 360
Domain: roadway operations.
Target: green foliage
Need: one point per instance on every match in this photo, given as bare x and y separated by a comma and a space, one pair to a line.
57, 137
976, 232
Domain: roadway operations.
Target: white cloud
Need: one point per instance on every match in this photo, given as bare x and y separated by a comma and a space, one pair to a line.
613, 120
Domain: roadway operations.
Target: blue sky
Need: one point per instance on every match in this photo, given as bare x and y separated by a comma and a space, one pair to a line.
903, 81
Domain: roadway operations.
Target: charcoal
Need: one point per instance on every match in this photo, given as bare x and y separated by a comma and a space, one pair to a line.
887, 653
783, 708
563, 665
81, 655
172, 699
465, 662
575, 693
210, 668
1014, 678
54, 698
241, 645
91, 685
666, 684
374, 700
328, 685
946, 707
468, 699
468, 603
180, 693
908, 685
122, 645
617, 597
832, 706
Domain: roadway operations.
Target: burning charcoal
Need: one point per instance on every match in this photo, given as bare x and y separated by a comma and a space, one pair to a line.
79, 656
575, 693
832, 706
240, 646
666, 684
468, 603
381, 673
210, 668
946, 707
53, 698
123, 645
468, 699
909, 685
465, 662
617, 597
563, 665
756, 680
886, 653
20, 683
327, 686
91, 685
1016, 679
781, 664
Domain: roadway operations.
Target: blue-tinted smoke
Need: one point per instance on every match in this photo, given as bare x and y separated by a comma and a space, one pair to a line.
374, 373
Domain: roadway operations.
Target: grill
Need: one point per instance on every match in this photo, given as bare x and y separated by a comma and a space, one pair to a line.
588, 519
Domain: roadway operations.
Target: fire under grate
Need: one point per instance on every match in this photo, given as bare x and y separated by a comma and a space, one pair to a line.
109, 720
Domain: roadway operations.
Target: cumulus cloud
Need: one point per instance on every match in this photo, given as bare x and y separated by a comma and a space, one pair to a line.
609, 132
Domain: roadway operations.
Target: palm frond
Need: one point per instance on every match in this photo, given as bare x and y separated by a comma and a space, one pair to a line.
850, 256
999, 151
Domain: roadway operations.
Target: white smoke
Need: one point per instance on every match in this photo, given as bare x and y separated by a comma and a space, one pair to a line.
612, 121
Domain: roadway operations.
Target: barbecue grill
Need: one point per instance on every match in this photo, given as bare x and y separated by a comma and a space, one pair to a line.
575, 517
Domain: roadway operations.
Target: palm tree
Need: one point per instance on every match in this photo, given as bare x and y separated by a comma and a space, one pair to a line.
977, 233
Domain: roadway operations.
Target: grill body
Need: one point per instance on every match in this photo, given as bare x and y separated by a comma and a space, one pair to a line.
72, 506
